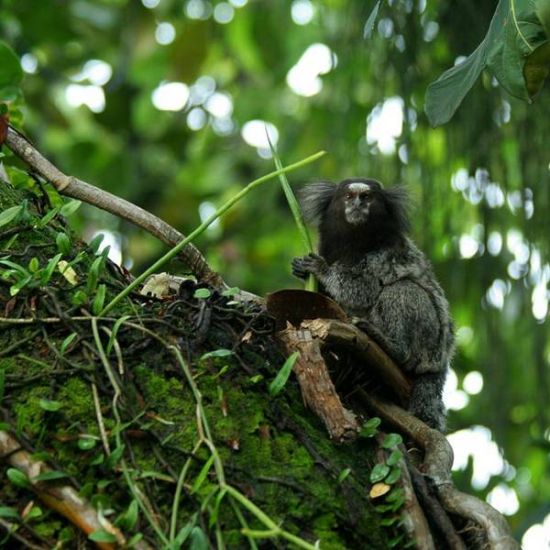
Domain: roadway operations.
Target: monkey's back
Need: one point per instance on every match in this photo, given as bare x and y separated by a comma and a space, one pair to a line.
395, 290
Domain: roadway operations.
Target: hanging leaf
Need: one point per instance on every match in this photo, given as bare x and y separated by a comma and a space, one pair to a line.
444, 96
371, 20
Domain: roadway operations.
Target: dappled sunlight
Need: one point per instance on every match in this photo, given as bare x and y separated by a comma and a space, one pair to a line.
170, 96
385, 124
537, 536
304, 77
476, 443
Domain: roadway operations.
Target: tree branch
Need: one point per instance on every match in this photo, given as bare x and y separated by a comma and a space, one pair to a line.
61, 498
78, 189
438, 460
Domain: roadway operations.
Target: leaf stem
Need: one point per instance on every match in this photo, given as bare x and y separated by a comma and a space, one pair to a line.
219, 212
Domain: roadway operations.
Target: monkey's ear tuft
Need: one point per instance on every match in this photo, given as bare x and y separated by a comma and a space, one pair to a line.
398, 202
315, 199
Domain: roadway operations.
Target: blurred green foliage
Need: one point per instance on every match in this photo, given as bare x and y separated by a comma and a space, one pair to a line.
481, 182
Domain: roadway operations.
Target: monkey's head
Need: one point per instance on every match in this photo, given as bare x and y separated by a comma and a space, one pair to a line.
357, 203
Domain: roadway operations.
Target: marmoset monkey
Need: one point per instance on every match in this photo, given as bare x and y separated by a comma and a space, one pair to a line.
375, 272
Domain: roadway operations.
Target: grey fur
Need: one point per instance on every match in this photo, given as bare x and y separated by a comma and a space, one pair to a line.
391, 287
315, 198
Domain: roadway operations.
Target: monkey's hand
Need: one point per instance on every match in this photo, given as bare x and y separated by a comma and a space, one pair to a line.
312, 263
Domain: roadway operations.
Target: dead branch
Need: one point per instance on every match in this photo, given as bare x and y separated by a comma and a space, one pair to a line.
61, 498
78, 189
340, 334
317, 389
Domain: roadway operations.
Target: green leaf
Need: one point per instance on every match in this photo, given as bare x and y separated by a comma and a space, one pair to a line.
70, 207
393, 476
48, 217
10, 213
396, 495
67, 342
128, 519
114, 458
49, 405
216, 353
370, 428
9, 513
522, 33
392, 440
202, 475
10, 67
18, 478
371, 20
95, 243
215, 512
97, 304
344, 474
379, 472
394, 457
202, 293
536, 69
63, 243
79, 298
282, 376
34, 264
14, 289
50, 476
34, 513
199, 540
86, 443
444, 96
387, 522
95, 271
19, 268
102, 536
184, 532
233, 291
134, 540
49, 269
114, 332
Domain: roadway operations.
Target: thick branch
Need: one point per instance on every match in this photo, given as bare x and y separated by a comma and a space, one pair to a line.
438, 459
316, 386
78, 189
349, 336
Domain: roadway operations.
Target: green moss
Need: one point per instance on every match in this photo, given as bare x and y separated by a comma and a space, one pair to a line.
78, 403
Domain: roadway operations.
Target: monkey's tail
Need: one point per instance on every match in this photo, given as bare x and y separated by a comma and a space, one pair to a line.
426, 400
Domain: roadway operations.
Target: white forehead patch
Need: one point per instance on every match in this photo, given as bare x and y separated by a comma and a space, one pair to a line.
358, 186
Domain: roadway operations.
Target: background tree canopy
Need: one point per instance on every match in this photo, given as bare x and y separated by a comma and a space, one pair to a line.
165, 102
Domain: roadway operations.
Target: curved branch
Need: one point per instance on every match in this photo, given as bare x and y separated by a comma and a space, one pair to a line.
78, 189
438, 459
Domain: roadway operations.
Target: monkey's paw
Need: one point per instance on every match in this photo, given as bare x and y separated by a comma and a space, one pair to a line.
312, 263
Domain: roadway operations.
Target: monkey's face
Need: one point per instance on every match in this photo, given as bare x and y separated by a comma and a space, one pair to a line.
360, 200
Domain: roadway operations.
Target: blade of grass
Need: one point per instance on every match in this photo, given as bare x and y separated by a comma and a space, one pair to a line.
311, 282
220, 211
